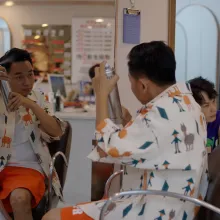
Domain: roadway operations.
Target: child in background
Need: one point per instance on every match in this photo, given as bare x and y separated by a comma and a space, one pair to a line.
206, 96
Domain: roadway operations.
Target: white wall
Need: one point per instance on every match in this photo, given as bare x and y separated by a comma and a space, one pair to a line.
154, 26
18, 15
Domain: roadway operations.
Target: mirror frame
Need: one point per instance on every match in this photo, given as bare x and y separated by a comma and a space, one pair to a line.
171, 23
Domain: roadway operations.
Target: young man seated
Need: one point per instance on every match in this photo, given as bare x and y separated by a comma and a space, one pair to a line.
26, 126
163, 147
205, 94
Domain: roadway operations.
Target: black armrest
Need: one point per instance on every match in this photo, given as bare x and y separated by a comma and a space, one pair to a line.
213, 192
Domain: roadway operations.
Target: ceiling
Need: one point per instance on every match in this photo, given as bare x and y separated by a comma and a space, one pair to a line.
63, 2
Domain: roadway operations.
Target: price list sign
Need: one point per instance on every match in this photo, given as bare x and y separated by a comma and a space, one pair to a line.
92, 42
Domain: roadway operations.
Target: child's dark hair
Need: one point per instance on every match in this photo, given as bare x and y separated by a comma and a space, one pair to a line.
13, 56
92, 71
198, 85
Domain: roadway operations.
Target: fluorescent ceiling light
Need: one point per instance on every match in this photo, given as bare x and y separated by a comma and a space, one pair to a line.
99, 20
9, 3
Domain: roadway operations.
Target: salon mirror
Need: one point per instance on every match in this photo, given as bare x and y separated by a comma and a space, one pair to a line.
5, 37
195, 38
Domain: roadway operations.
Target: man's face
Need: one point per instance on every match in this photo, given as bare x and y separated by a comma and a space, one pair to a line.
21, 77
209, 108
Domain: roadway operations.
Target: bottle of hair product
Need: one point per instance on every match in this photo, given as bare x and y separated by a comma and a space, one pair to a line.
58, 101
5, 91
114, 104
51, 99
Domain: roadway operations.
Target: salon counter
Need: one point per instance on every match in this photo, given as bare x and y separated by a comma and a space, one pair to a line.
78, 182
76, 115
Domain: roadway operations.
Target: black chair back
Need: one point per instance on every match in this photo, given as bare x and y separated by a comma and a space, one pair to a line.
213, 193
63, 145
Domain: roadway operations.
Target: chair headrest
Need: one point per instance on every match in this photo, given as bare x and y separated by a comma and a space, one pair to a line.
214, 163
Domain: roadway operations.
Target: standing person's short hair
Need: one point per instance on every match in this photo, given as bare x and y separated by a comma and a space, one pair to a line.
14, 55
199, 85
92, 71
155, 60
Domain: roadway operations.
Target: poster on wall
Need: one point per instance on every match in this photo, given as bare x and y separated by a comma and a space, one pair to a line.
50, 48
93, 41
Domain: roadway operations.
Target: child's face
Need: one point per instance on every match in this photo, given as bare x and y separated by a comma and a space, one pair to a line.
87, 89
209, 108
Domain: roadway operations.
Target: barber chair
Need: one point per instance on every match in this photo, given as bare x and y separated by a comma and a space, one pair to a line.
123, 195
210, 207
100, 175
213, 193
59, 151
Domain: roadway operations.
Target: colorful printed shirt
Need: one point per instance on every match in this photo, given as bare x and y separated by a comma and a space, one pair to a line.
163, 149
38, 139
212, 132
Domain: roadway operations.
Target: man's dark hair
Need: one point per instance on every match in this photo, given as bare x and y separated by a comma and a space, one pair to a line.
155, 60
13, 56
199, 85
92, 70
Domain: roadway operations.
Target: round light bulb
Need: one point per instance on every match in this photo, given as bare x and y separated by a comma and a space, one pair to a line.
36, 37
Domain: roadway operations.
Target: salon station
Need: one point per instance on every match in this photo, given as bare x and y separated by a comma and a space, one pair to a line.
67, 37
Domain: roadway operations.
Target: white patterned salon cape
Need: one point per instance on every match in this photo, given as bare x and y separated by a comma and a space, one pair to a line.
163, 148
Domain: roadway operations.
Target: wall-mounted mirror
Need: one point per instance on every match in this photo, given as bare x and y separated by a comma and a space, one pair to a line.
196, 35
5, 37
196, 39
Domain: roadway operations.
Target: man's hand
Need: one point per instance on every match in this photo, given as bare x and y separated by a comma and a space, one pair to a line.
16, 100
101, 84
126, 115
47, 123
102, 87
3, 74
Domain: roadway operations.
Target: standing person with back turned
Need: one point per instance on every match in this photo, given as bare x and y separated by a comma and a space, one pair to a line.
163, 147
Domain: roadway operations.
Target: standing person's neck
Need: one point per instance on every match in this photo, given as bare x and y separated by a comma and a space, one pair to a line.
157, 90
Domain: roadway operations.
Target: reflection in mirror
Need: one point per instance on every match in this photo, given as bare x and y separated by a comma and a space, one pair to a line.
196, 39
102, 171
5, 38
